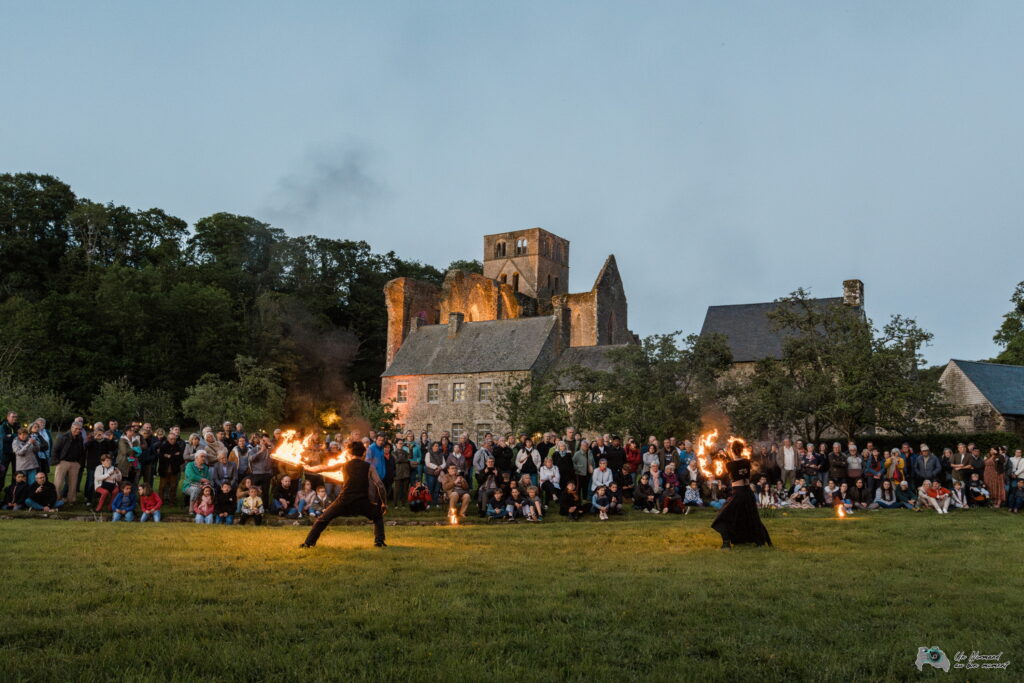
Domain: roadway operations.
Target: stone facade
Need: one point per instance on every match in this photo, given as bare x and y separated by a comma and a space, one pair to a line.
489, 337
973, 410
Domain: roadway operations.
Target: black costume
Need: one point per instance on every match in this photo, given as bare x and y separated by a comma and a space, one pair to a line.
362, 494
738, 521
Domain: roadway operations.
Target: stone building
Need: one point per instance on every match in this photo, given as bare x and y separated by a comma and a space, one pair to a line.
987, 397
749, 331
451, 348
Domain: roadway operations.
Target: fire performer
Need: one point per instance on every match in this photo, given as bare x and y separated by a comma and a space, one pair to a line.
738, 520
362, 494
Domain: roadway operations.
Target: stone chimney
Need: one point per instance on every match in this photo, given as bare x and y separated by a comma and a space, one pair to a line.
853, 293
454, 323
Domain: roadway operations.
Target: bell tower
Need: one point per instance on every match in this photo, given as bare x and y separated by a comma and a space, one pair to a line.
533, 262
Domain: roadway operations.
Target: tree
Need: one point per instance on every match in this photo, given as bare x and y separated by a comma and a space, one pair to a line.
255, 398
837, 372
656, 387
531, 404
119, 400
31, 401
1011, 334
468, 265
380, 416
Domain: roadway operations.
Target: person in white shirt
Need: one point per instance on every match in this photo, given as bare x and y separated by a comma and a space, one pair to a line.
549, 481
602, 476
790, 463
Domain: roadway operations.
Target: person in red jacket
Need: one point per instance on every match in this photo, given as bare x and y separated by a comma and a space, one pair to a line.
150, 502
419, 497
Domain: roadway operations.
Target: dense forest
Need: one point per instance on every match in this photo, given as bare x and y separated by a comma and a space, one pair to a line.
95, 293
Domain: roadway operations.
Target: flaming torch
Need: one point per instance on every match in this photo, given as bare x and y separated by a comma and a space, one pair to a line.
337, 476
705, 446
291, 447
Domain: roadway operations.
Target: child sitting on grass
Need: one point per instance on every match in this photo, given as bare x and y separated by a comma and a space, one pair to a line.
318, 503
497, 507
150, 503
628, 481
615, 500
645, 498
241, 492
204, 507
671, 501
516, 504
252, 507
419, 497
124, 504
1016, 501
534, 506
224, 503
957, 497
304, 498
599, 502
16, 493
569, 504
692, 495
976, 492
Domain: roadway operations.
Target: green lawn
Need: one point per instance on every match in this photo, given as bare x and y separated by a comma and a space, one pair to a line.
638, 598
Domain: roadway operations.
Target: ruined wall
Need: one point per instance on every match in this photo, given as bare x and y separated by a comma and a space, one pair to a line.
583, 316
612, 311
478, 298
405, 299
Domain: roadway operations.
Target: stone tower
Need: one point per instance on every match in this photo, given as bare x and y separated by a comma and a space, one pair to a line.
533, 262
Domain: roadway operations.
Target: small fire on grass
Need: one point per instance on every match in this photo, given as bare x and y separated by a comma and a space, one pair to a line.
453, 518
841, 511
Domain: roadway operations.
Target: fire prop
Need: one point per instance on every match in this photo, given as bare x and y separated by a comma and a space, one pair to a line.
711, 458
841, 511
337, 476
299, 452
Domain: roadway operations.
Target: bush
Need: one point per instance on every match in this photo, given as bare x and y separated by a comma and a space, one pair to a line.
31, 402
939, 440
256, 398
121, 401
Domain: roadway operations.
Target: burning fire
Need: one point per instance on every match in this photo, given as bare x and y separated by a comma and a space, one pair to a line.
705, 446
337, 476
453, 518
291, 448
841, 511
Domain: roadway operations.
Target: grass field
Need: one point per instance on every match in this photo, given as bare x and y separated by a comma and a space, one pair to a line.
638, 598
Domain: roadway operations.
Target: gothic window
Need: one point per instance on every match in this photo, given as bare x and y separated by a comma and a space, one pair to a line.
521, 246
499, 249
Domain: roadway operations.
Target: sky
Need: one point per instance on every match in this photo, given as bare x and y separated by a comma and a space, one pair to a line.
725, 152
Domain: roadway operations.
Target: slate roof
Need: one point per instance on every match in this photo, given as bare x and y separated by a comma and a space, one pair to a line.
592, 357
1002, 385
486, 346
749, 330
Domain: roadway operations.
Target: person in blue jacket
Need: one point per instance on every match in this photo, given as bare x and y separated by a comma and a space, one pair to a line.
125, 504
375, 456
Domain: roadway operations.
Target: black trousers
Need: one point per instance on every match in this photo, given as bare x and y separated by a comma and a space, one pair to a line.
341, 508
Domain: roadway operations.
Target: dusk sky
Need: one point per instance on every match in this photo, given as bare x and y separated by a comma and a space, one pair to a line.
725, 152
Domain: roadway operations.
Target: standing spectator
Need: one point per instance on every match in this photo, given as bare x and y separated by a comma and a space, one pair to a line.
150, 503
633, 455
150, 442
854, 464
375, 456
193, 446
42, 495
124, 504
1015, 468
896, 467
128, 451
25, 450
995, 477
38, 432
960, 465
68, 459
240, 456
260, 466
435, 467
790, 463
170, 460
651, 457
8, 429
583, 466
403, 471
528, 461
926, 466
1016, 500
504, 458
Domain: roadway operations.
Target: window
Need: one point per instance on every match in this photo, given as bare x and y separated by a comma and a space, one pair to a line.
458, 391
515, 282
499, 249
556, 283
402, 395
521, 246
432, 393
549, 282
486, 389
458, 429
482, 429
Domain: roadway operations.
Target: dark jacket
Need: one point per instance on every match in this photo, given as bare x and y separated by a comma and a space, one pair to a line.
16, 493
45, 495
68, 448
362, 484
171, 457
504, 460
224, 502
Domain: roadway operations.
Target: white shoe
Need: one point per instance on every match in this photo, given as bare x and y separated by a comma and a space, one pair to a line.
657, 512
646, 511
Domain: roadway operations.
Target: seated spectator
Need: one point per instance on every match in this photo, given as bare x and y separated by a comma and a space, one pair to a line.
241, 492
304, 497
42, 495
958, 496
497, 507
569, 504
224, 503
252, 507
516, 504
550, 480
419, 497
1016, 498
816, 494
600, 501
15, 494
977, 494
628, 481
671, 479
657, 480
645, 499
105, 480
284, 497
204, 507
524, 484
859, 495
318, 503
124, 504
150, 503
456, 490
489, 478
938, 497
905, 495
885, 497
781, 497
615, 499
830, 492
671, 501
196, 476
766, 496
534, 506
691, 497
602, 475
842, 497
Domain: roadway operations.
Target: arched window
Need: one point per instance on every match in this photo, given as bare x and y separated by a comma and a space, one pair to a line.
499, 249
520, 246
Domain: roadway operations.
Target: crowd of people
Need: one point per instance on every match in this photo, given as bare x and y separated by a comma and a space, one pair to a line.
228, 476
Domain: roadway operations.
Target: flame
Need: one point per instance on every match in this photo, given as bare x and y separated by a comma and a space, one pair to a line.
719, 468
705, 445
330, 418
337, 476
841, 511
453, 518
291, 448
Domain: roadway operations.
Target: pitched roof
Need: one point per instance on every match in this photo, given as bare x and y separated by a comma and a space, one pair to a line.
486, 346
1002, 385
749, 331
591, 357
